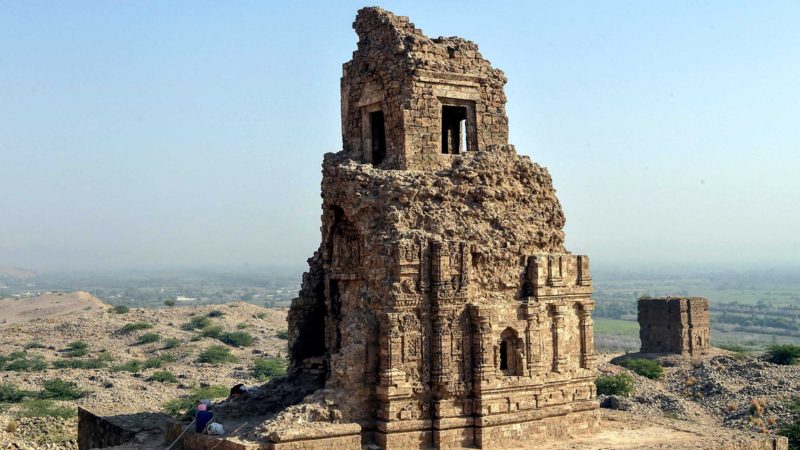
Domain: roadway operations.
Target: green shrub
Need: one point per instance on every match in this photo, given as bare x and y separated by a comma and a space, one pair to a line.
241, 326
644, 367
12, 394
93, 363
184, 404
213, 331
170, 302
171, 343
785, 354
58, 389
105, 356
237, 339
157, 362
35, 364
216, 313
132, 366
267, 368
43, 408
34, 344
261, 315
135, 326
19, 354
792, 432
791, 429
196, 323
163, 376
216, 354
148, 338
120, 309
619, 384
283, 334
793, 405
77, 349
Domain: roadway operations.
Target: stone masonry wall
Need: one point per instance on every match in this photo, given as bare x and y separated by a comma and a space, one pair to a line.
674, 325
441, 304
409, 77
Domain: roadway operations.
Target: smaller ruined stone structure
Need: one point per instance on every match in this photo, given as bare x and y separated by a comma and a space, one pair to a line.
674, 325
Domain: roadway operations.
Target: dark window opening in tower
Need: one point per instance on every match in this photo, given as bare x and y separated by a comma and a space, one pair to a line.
378, 132
454, 129
503, 355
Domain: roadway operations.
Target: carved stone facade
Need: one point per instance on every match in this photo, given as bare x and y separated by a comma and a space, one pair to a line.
679, 325
442, 304
419, 88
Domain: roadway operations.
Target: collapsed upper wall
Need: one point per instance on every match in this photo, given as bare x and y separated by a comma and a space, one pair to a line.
411, 102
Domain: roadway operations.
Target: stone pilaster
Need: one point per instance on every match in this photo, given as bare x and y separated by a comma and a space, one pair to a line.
533, 341
559, 352
391, 346
482, 349
440, 362
584, 275
588, 357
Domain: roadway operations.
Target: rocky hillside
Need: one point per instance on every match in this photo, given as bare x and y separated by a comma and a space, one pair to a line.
138, 359
735, 390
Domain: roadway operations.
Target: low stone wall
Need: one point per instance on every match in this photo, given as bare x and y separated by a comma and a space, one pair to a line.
108, 429
95, 431
331, 437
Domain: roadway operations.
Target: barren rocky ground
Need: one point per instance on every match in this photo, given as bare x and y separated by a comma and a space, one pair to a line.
124, 380
733, 390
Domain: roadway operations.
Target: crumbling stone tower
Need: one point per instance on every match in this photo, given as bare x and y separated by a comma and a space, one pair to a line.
674, 325
441, 306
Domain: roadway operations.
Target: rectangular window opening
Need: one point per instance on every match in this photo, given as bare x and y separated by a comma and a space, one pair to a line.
454, 129
378, 137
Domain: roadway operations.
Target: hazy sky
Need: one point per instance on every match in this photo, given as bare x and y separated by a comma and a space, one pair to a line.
151, 134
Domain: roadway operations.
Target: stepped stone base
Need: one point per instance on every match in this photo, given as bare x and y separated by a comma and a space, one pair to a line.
589, 430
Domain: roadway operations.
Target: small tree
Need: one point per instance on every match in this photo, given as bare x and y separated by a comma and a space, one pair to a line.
170, 302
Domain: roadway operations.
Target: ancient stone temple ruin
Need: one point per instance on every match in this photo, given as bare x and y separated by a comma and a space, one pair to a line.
441, 307
674, 325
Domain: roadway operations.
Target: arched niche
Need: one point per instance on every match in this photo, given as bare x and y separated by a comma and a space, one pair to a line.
511, 353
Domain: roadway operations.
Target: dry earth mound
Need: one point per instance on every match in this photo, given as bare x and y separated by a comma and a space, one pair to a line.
14, 310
